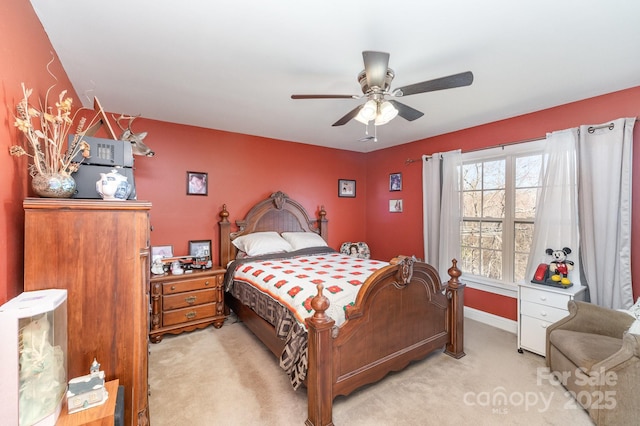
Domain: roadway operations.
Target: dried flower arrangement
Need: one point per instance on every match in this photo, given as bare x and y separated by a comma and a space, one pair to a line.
46, 130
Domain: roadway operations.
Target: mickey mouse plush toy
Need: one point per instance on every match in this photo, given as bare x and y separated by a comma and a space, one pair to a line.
559, 266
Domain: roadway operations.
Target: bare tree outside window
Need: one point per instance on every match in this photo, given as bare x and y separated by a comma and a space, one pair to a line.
498, 207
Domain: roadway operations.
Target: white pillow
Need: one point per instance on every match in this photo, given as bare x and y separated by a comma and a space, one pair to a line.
635, 327
260, 243
300, 240
634, 311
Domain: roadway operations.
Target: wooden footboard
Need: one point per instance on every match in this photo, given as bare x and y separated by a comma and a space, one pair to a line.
402, 314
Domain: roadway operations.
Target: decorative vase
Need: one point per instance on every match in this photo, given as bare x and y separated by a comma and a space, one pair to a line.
113, 186
53, 185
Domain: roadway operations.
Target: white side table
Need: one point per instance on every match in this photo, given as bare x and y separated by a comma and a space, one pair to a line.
538, 307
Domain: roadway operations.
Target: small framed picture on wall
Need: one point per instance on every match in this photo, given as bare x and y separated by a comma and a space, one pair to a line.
395, 182
346, 188
197, 183
395, 206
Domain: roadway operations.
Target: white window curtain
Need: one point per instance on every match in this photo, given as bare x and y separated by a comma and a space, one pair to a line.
604, 185
556, 223
441, 209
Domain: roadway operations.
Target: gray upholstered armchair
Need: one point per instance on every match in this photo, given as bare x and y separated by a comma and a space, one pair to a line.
598, 362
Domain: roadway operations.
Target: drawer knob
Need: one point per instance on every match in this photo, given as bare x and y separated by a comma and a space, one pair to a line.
173, 287
190, 315
543, 313
206, 283
543, 297
543, 325
191, 299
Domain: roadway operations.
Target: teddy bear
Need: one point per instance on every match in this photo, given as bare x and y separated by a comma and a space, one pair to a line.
560, 266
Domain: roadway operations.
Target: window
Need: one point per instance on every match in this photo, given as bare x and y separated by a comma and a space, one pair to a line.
499, 191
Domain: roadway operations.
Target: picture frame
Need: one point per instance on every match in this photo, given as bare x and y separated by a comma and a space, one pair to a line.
161, 252
395, 206
200, 248
197, 183
395, 181
346, 188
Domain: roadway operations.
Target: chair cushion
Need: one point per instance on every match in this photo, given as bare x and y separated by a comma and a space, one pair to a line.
584, 349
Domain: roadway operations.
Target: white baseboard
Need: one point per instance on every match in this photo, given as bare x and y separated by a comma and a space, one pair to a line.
491, 319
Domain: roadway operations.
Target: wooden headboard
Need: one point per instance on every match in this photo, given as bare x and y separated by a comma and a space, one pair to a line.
277, 213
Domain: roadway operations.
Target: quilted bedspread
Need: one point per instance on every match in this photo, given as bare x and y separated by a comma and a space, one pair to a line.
293, 281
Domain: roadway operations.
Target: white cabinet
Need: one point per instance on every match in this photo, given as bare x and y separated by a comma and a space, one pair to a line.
538, 307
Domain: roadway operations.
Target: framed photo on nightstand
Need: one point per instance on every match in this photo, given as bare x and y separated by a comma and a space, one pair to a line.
200, 248
161, 252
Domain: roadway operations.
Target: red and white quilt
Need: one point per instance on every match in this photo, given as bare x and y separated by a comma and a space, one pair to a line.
293, 281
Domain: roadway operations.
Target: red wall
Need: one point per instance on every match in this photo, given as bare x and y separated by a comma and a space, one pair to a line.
241, 171
391, 233
244, 169
25, 51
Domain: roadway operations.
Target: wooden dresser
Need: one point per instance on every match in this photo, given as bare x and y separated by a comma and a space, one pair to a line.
99, 251
186, 302
539, 306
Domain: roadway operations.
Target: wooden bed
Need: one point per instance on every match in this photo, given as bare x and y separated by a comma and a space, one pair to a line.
402, 313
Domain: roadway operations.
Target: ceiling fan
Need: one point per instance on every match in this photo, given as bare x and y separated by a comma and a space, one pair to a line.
375, 81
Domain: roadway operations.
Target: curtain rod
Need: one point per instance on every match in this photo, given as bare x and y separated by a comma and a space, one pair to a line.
590, 129
502, 145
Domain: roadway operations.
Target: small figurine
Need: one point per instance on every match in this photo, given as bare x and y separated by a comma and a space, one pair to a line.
176, 268
560, 266
157, 267
87, 391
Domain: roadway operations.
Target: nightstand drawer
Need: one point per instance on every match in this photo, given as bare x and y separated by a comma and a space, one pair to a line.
183, 315
543, 312
188, 285
548, 298
534, 334
192, 298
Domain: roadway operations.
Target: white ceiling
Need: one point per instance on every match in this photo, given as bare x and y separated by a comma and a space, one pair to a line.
233, 65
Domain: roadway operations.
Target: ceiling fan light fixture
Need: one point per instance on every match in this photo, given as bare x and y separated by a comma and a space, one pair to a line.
367, 112
386, 113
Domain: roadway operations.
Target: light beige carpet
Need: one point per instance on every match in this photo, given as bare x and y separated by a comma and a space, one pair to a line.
227, 377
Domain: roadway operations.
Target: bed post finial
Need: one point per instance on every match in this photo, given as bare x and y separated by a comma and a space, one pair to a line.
322, 223
319, 375
224, 214
224, 257
322, 213
320, 303
454, 273
455, 294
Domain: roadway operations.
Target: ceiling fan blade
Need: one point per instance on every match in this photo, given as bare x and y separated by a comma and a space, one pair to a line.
449, 82
348, 116
406, 111
324, 97
375, 67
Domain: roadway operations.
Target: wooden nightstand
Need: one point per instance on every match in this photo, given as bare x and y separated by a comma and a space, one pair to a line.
186, 302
